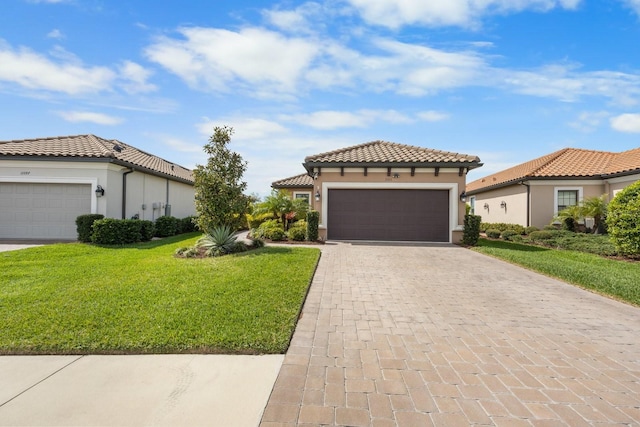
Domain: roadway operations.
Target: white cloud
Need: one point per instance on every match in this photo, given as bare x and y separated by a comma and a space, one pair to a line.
55, 34
566, 83
135, 78
588, 121
464, 13
433, 116
178, 144
37, 72
633, 4
262, 61
246, 129
87, 116
328, 120
629, 123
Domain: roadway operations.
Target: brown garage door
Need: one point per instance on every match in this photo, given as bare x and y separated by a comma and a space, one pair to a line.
388, 215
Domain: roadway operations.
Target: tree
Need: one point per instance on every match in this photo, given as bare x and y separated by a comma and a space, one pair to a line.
569, 217
218, 185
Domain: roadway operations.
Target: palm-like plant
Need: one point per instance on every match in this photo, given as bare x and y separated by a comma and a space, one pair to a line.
220, 241
596, 208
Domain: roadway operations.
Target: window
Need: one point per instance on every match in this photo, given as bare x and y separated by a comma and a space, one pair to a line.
472, 203
306, 196
567, 198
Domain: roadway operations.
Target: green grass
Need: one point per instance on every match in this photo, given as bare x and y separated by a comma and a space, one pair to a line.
84, 299
616, 278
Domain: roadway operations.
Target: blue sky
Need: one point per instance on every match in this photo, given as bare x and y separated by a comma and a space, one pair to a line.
507, 80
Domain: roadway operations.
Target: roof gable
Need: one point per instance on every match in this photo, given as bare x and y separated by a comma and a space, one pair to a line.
93, 147
387, 153
566, 163
299, 181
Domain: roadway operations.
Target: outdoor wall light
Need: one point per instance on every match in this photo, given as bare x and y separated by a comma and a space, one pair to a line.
503, 204
317, 196
486, 206
463, 197
99, 191
396, 175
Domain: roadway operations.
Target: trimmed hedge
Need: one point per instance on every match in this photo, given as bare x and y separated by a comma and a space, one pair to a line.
110, 231
84, 224
313, 220
471, 231
167, 226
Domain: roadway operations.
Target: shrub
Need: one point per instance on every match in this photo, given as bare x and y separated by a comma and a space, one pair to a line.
297, 233
313, 219
167, 226
270, 229
84, 224
541, 235
569, 224
257, 242
254, 220
147, 230
221, 241
623, 221
509, 234
493, 233
186, 225
110, 231
471, 231
531, 229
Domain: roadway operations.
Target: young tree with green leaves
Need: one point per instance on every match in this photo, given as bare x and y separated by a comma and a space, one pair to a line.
219, 186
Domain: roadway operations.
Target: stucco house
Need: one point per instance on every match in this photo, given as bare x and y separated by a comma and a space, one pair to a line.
46, 183
383, 191
532, 193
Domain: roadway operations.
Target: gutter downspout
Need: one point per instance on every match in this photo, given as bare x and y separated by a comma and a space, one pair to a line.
124, 192
528, 202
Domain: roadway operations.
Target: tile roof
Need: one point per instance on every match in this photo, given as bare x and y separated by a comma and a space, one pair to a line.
386, 153
303, 180
93, 147
565, 163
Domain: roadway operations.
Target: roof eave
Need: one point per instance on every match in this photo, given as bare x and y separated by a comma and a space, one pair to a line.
97, 160
529, 178
469, 165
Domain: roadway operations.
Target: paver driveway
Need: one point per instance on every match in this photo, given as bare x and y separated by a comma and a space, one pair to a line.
418, 336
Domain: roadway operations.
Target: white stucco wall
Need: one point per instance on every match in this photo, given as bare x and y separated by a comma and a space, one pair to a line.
142, 188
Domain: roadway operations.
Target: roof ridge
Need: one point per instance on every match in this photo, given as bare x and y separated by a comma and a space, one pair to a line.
545, 164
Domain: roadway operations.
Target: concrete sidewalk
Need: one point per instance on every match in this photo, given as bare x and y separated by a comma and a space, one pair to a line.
148, 390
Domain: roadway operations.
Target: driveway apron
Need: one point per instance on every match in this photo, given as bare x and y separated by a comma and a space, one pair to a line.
441, 335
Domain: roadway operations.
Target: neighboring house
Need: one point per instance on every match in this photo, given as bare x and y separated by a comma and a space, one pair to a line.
382, 191
533, 192
298, 187
46, 183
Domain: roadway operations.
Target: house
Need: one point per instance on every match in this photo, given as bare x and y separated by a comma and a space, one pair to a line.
46, 183
532, 193
383, 191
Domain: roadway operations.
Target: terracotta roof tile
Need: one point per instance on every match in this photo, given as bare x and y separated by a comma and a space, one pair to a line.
303, 180
91, 146
389, 152
565, 163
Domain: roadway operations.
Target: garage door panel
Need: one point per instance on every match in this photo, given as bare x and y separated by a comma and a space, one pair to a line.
47, 211
390, 214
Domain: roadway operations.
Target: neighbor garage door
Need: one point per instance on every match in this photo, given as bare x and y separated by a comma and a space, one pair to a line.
388, 215
42, 211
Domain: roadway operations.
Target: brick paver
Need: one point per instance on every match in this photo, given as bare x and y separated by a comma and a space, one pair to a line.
440, 335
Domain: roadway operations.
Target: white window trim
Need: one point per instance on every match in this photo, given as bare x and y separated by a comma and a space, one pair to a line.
451, 186
308, 193
55, 180
555, 196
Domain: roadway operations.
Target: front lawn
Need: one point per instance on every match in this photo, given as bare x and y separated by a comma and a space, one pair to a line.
617, 278
84, 299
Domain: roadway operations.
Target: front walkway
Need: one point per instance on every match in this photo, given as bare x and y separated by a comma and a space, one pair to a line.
419, 336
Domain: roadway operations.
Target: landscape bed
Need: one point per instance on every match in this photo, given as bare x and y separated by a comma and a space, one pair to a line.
137, 299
